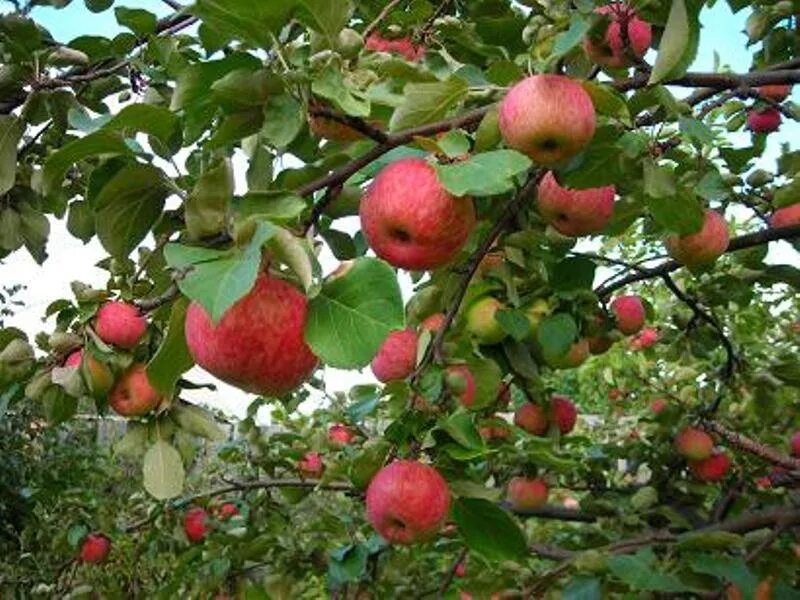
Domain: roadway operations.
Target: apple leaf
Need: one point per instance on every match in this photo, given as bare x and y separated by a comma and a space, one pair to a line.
556, 333
572, 274
207, 206
11, 130
428, 102
582, 587
639, 572
489, 530
679, 42
485, 174
163, 471
461, 427
172, 359
681, 213
198, 421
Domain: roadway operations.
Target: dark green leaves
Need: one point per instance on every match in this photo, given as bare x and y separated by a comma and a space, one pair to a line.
556, 334
172, 359
11, 130
207, 205
253, 22
140, 21
672, 206
678, 43
427, 102
147, 118
99, 143
639, 572
489, 530
128, 206
327, 17
330, 85
353, 314
485, 174
572, 274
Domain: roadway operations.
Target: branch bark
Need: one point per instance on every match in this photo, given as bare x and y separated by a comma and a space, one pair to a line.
742, 442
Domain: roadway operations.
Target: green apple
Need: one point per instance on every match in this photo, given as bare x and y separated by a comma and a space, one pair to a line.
481, 323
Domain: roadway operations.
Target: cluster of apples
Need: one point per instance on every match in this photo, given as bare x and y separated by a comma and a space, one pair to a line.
706, 462
767, 118
198, 522
311, 465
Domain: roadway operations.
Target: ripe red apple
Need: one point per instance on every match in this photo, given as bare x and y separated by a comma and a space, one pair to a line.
525, 494
646, 338
702, 247
532, 418
608, 50
98, 375
574, 212
494, 431
397, 357
461, 569
481, 321
410, 220
503, 396
120, 324
228, 510
401, 46
433, 323
763, 120
195, 524
548, 117
777, 92
462, 383
794, 444
95, 548
407, 502
786, 216
74, 359
258, 345
311, 465
574, 357
340, 435
658, 405
133, 395
629, 313
713, 468
565, 414
694, 444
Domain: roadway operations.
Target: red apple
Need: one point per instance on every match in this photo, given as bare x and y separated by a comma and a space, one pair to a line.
461, 569
694, 444
401, 46
574, 212
311, 465
608, 50
629, 313
195, 524
228, 510
658, 405
397, 357
763, 120
133, 395
777, 92
340, 435
74, 359
532, 419
786, 216
462, 383
713, 468
95, 548
433, 323
120, 324
702, 247
525, 494
646, 338
258, 345
410, 220
565, 414
407, 502
548, 117
794, 444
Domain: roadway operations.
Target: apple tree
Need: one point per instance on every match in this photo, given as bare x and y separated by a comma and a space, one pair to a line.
551, 241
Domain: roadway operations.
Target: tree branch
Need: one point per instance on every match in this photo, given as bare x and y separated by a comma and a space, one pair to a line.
356, 123
556, 513
742, 442
451, 573
381, 16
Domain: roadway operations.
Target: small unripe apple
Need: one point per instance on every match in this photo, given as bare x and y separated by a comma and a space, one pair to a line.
95, 548
525, 494
794, 444
714, 468
536, 312
629, 313
340, 435
410, 220
120, 324
407, 502
98, 375
608, 50
764, 120
401, 46
397, 357
481, 321
550, 118
462, 383
532, 418
565, 414
574, 212
777, 92
133, 395
349, 42
646, 338
702, 247
311, 465
786, 216
195, 524
694, 444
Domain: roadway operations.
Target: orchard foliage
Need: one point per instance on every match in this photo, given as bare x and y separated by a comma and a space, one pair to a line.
590, 393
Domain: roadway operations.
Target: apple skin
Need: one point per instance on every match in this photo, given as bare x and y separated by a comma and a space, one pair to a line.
610, 50
574, 212
714, 468
525, 494
401, 46
777, 92
646, 338
532, 418
574, 357
794, 444
311, 465
536, 313
466, 384
433, 323
658, 405
481, 323
629, 313
95, 548
99, 377
701, 247
195, 524
407, 502
340, 435
550, 118
460, 570
397, 357
228, 510
258, 345
133, 395
786, 216
410, 220
565, 414
120, 324
765, 120
694, 444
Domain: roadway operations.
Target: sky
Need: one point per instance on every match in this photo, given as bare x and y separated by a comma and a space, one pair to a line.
68, 257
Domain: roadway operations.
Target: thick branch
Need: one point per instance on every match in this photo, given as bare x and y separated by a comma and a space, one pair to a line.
768, 453
359, 125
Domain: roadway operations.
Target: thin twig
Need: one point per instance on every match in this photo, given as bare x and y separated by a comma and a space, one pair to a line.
381, 16
451, 573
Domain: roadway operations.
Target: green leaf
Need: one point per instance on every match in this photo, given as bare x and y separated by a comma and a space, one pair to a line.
34, 228
608, 101
659, 182
489, 530
153, 120
709, 540
727, 568
284, 119
99, 143
572, 37
194, 83
696, 130
297, 254
58, 406
330, 84
485, 174
172, 359
582, 587
461, 427
365, 399
514, 322
556, 333
347, 564
254, 22
244, 88
163, 471
572, 274
11, 130
97, 6
278, 206
674, 43
127, 207
327, 17
207, 205
428, 102
639, 572
140, 21
198, 421
352, 315
80, 220
681, 214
